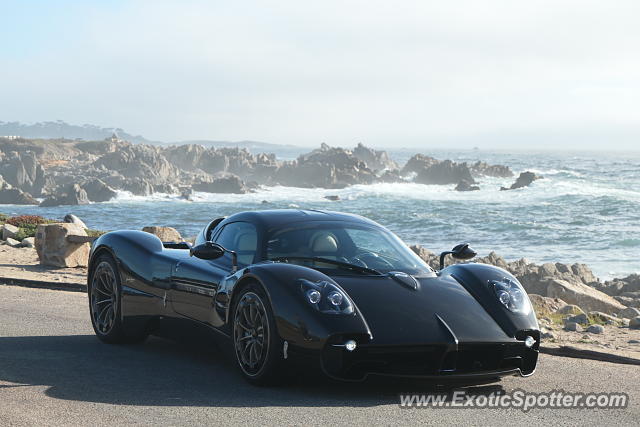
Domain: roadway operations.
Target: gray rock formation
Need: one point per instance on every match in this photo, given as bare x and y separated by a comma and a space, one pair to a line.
15, 196
48, 168
166, 234
524, 180
227, 183
596, 329
98, 191
484, 169
374, 159
23, 171
72, 219
465, 185
418, 163
71, 195
446, 172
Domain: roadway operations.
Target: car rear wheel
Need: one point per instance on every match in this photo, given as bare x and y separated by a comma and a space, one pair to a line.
105, 293
255, 339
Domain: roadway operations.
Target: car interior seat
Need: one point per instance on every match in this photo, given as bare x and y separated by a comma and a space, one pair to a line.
324, 244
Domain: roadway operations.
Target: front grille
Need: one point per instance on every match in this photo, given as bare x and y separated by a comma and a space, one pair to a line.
427, 360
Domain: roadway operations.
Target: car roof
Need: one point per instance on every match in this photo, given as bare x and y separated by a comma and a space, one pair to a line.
279, 217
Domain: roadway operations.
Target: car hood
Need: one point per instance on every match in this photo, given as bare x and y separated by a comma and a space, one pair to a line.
439, 311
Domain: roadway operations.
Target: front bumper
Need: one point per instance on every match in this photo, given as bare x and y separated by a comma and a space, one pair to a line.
467, 361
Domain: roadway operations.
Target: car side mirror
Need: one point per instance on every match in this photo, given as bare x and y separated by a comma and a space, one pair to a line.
210, 250
207, 250
461, 251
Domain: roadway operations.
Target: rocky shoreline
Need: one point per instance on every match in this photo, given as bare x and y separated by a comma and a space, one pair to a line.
72, 172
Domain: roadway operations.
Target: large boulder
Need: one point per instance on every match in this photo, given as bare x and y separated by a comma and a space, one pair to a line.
465, 185
72, 219
374, 159
629, 313
166, 234
227, 183
326, 167
630, 283
12, 242
14, 196
524, 180
71, 195
28, 242
9, 231
417, 163
544, 306
139, 162
586, 297
484, 169
98, 191
23, 171
446, 172
56, 249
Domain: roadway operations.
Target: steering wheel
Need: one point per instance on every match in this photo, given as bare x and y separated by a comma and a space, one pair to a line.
370, 260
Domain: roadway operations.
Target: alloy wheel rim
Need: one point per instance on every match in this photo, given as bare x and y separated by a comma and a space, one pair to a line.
104, 298
251, 333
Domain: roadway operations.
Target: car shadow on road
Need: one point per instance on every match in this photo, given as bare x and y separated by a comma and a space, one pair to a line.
164, 373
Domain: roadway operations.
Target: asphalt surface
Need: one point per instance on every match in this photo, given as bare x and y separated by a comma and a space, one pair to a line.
53, 371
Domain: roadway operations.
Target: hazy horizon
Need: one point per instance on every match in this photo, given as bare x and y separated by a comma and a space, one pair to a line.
496, 74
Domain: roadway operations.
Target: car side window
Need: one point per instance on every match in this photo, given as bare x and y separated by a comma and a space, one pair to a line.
242, 238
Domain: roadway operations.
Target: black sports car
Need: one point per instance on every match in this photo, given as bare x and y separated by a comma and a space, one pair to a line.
338, 289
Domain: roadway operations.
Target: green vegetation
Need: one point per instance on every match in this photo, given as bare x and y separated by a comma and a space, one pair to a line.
94, 233
28, 225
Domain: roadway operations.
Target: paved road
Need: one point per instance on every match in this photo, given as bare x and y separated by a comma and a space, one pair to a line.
54, 371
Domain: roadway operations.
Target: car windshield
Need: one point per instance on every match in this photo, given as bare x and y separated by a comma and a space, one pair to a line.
366, 246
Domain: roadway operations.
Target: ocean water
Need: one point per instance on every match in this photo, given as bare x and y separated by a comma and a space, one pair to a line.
586, 209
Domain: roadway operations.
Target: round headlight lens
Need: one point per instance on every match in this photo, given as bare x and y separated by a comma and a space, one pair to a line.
504, 297
314, 296
510, 294
326, 297
335, 298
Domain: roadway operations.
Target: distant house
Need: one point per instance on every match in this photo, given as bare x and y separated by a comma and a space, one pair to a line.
114, 138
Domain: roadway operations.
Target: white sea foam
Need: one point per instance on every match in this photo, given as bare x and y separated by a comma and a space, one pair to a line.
539, 192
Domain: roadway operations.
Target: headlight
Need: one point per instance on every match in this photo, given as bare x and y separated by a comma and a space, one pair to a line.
511, 295
326, 297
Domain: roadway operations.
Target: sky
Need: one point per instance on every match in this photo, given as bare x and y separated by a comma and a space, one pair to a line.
496, 74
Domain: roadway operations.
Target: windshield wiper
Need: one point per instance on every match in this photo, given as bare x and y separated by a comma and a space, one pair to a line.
344, 265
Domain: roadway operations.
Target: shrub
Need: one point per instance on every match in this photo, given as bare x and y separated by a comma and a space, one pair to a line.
3, 218
94, 233
28, 230
27, 224
25, 220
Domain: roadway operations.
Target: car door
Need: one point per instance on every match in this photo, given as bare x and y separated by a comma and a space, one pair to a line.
195, 281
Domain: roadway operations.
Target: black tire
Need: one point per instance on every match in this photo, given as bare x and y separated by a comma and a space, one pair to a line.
246, 330
105, 293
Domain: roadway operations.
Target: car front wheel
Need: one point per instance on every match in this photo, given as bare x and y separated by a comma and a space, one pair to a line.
255, 339
105, 294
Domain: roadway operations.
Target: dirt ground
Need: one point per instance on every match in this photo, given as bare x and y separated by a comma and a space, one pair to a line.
23, 263
618, 340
